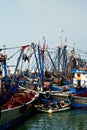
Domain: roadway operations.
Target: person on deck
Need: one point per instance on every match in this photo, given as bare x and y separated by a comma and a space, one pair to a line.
79, 79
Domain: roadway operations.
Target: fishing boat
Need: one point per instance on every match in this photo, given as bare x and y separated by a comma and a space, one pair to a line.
75, 92
17, 108
16, 103
53, 106
76, 101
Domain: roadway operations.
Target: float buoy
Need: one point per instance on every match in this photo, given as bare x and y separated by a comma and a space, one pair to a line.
50, 111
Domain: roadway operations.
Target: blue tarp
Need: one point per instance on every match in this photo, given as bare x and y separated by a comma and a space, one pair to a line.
54, 88
78, 71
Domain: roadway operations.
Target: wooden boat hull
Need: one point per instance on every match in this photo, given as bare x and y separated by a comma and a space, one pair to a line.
15, 115
53, 110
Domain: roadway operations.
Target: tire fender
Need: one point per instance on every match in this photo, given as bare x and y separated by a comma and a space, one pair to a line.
47, 95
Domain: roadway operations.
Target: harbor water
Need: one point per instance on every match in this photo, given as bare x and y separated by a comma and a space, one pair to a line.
67, 120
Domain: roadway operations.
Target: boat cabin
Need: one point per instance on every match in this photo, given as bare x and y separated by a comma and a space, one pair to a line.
81, 75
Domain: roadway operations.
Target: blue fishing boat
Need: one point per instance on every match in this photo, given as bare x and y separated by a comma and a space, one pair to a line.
16, 103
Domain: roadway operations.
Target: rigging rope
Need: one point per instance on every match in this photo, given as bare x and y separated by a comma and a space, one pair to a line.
13, 55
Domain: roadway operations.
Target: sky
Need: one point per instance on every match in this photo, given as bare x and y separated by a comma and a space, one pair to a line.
25, 21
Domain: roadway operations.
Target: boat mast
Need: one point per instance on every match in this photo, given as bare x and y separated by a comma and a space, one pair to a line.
42, 58
39, 58
64, 54
51, 60
59, 57
18, 61
34, 46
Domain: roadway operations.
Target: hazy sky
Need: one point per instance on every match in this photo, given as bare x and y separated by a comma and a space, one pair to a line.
26, 21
